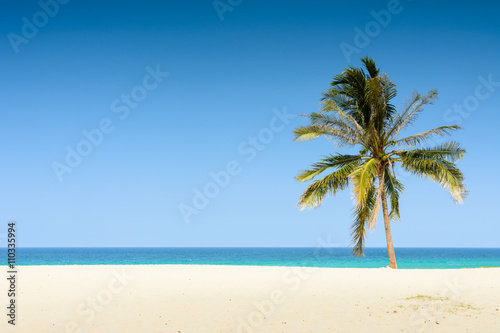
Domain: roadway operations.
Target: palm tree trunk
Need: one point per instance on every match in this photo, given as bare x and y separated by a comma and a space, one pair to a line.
387, 223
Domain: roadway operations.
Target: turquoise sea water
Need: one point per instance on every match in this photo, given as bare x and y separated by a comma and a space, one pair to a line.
312, 257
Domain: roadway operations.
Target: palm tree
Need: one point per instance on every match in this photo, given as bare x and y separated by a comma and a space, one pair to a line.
356, 112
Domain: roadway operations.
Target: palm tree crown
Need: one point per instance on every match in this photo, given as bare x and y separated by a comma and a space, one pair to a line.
356, 111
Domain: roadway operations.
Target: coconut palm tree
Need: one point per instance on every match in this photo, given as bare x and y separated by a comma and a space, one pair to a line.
357, 112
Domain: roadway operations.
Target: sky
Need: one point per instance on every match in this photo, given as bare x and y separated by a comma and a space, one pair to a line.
169, 123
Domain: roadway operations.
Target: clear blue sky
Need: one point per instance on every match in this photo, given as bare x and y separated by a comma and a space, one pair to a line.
226, 80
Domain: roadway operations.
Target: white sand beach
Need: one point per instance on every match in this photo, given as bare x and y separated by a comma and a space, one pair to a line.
204, 299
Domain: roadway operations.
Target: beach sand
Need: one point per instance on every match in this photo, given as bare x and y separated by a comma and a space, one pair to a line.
203, 299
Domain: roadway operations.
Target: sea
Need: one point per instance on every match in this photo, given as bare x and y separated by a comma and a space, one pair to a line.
407, 258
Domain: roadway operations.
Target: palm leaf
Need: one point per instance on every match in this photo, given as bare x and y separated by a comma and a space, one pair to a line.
448, 151
421, 138
306, 133
363, 177
415, 105
340, 122
362, 213
393, 189
376, 208
370, 66
439, 170
338, 180
333, 161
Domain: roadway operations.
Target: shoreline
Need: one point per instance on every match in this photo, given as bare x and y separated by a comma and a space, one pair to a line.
289, 257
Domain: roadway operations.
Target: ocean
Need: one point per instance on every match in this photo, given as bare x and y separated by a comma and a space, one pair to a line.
407, 258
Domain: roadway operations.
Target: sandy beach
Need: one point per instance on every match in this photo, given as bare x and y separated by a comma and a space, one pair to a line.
184, 298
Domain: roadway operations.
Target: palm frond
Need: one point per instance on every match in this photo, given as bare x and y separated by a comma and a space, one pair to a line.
306, 133
362, 213
347, 91
448, 151
351, 121
329, 105
389, 92
370, 66
393, 189
439, 170
332, 161
338, 180
421, 138
363, 177
340, 122
376, 208
376, 98
415, 105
